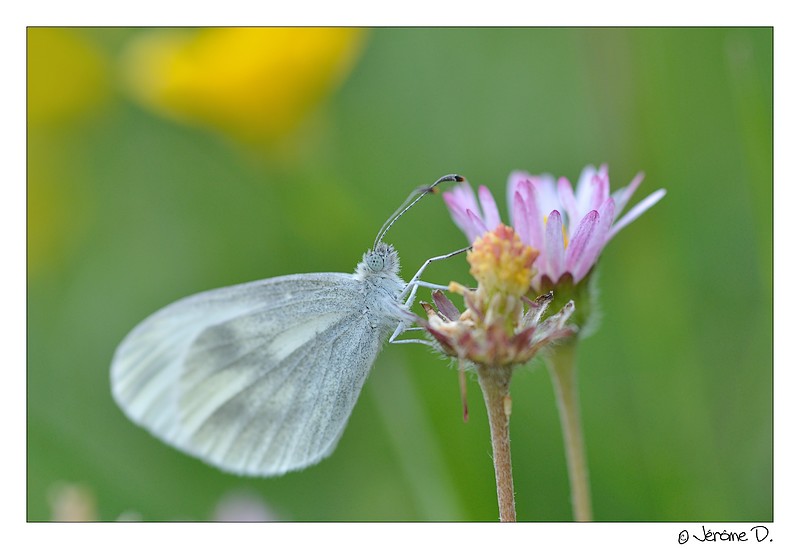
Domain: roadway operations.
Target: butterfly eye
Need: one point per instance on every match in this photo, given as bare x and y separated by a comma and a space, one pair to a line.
375, 262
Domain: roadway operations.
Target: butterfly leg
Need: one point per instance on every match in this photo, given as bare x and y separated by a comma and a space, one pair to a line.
411, 288
411, 292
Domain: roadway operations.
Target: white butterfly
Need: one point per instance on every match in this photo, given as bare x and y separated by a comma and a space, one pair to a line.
260, 378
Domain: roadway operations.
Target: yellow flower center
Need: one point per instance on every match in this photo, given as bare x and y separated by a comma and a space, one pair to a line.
501, 262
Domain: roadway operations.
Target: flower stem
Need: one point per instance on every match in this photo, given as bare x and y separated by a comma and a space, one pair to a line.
494, 382
563, 371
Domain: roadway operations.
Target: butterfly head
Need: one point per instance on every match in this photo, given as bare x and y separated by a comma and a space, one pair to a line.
381, 260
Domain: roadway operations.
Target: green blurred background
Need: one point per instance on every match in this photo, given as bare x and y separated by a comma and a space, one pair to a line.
133, 204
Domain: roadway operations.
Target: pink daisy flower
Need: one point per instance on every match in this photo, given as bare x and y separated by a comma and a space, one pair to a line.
568, 228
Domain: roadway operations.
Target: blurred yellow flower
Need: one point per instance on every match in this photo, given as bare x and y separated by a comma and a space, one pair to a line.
68, 79
67, 75
253, 83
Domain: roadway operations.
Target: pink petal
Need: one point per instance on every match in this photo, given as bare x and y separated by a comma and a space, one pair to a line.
623, 195
524, 189
534, 218
457, 212
601, 192
553, 263
577, 246
635, 212
491, 215
567, 198
537, 215
582, 189
596, 196
596, 242
519, 215
515, 181
545, 196
476, 228
445, 306
466, 196
463, 207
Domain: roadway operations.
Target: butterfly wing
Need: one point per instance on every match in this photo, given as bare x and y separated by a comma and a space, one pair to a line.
258, 378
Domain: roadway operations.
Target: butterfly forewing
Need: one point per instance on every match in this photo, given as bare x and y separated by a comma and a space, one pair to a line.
258, 378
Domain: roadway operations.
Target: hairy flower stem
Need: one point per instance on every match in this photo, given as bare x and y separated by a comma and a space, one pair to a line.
494, 382
563, 371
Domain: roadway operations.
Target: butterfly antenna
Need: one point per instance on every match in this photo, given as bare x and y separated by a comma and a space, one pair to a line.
412, 199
